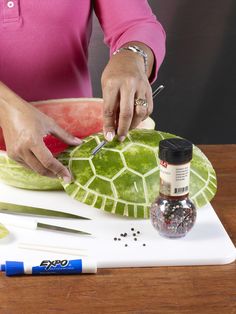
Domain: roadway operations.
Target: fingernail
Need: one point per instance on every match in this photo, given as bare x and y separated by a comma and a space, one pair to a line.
121, 138
67, 179
77, 141
109, 136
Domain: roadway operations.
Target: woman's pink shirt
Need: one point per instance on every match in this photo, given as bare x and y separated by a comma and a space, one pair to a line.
44, 44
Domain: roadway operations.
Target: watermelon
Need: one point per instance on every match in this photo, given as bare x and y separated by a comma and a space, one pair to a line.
80, 117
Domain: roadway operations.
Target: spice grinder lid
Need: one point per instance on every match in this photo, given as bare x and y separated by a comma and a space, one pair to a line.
175, 150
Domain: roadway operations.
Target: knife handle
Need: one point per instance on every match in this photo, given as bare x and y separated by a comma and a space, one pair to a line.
25, 224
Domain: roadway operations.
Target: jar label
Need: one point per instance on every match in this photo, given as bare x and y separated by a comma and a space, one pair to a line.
174, 179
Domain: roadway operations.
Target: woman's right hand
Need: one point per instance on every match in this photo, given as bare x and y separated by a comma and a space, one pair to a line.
24, 127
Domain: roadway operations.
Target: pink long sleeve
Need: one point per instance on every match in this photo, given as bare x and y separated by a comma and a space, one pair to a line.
131, 20
44, 44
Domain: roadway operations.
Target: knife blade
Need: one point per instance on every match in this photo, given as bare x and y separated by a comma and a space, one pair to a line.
36, 211
35, 225
41, 225
97, 148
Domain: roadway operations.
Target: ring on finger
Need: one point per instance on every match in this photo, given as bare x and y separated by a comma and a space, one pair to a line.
141, 102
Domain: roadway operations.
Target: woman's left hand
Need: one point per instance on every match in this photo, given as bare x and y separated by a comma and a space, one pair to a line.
124, 80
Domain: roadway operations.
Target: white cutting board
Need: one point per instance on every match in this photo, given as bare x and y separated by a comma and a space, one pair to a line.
206, 244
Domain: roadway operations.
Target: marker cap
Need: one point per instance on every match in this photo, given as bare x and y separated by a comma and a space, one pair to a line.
13, 268
2, 267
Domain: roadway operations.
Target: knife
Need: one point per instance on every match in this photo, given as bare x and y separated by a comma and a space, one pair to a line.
28, 210
35, 225
103, 143
99, 147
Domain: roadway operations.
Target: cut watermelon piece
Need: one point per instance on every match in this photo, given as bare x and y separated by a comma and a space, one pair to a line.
80, 117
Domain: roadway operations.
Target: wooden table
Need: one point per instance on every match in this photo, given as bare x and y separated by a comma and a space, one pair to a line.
203, 289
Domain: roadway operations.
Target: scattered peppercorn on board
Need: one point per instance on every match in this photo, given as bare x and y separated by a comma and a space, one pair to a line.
116, 241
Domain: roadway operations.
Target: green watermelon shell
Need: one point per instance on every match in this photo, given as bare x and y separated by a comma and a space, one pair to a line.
12, 173
123, 178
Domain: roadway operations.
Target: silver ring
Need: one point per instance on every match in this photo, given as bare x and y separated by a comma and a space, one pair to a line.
140, 102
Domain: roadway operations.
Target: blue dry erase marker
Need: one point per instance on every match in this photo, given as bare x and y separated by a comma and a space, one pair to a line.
57, 267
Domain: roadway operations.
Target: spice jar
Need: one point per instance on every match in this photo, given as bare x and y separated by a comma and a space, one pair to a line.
173, 214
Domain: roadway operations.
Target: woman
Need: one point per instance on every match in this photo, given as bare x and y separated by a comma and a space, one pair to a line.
43, 55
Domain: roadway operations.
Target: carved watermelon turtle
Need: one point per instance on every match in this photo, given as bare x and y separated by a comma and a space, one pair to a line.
123, 178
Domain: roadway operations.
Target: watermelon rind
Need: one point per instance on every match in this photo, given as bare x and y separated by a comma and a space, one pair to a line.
12, 173
3, 231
